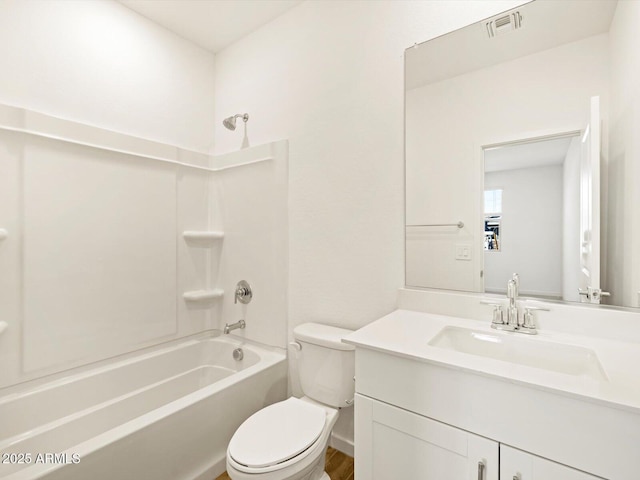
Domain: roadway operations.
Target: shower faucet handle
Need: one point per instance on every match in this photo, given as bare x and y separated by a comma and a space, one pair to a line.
243, 292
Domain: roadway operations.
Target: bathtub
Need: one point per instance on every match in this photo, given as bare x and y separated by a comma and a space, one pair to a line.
163, 414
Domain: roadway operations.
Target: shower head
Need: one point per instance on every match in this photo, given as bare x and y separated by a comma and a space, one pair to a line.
230, 122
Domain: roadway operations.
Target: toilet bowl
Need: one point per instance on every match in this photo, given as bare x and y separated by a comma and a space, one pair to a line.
288, 440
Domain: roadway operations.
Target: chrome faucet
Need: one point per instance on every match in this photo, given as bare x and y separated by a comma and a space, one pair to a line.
513, 289
512, 321
515, 278
243, 294
234, 326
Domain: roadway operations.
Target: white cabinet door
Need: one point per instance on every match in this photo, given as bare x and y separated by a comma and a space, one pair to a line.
392, 443
518, 465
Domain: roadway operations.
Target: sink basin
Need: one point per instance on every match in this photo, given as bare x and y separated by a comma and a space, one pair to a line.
555, 357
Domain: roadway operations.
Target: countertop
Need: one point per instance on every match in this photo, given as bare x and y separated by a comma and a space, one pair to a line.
407, 334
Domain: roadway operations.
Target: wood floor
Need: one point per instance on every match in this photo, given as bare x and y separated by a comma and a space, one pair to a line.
339, 466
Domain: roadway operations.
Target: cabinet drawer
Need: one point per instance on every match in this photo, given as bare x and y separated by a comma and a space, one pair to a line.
519, 465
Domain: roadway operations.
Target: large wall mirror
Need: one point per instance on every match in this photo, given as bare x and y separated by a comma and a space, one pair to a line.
520, 154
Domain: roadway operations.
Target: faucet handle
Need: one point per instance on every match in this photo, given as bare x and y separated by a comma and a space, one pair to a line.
537, 308
487, 302
497, 315
528, 324
243, 292
497, 312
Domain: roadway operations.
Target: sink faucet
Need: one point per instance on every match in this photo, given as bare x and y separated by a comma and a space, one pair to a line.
515, 278
513, 288
512, 321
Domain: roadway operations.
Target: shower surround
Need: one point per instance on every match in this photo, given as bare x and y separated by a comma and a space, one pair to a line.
115, 244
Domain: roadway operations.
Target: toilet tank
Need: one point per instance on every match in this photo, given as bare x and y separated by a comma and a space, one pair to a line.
326, 366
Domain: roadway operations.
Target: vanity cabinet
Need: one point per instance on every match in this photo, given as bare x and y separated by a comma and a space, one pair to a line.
395, 443
425, 420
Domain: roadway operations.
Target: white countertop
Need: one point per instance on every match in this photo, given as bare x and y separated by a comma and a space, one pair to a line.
407, 334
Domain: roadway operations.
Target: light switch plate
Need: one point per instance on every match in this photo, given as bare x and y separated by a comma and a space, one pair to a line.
463, 251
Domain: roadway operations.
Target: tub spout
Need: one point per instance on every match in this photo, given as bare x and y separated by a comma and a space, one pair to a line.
239, 324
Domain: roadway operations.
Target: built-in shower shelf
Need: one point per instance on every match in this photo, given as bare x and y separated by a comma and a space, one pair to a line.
202, 237
3, 327
202, 295
3, 234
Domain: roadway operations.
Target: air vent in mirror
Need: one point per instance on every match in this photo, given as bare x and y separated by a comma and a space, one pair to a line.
504, 24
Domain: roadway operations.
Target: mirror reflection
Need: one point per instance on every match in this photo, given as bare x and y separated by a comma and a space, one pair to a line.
531, 216
518, 155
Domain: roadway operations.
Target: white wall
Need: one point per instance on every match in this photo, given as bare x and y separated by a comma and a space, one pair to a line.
530, 233
101, 64
328, 76
622, 240
448, 123
571, 247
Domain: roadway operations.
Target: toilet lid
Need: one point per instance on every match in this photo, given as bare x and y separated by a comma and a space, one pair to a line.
277, 433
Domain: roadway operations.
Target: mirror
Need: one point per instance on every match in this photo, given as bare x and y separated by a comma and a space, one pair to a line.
532, 204
520, 154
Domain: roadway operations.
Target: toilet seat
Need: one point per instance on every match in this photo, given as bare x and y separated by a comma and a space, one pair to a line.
276, 434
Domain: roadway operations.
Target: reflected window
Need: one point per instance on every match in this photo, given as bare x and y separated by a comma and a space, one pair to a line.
492, 219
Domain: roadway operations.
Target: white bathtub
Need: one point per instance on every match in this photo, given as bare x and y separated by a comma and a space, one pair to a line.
165, 414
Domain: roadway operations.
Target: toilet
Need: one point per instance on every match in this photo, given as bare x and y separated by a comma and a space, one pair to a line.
288, 440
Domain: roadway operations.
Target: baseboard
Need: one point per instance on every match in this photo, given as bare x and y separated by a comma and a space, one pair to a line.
213, 471
343, 444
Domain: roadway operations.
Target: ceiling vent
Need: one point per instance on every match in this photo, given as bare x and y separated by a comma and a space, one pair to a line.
504, 24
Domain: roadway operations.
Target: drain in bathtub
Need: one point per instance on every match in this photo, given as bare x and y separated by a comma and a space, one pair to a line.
238, 354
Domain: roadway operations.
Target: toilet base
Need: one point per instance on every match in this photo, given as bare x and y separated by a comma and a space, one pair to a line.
325, 476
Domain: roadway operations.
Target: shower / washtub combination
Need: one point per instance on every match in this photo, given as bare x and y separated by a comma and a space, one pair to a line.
162, 414
114, 262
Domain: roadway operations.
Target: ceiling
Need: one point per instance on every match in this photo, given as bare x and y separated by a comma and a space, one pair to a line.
538, 153
545, 24
212, 24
